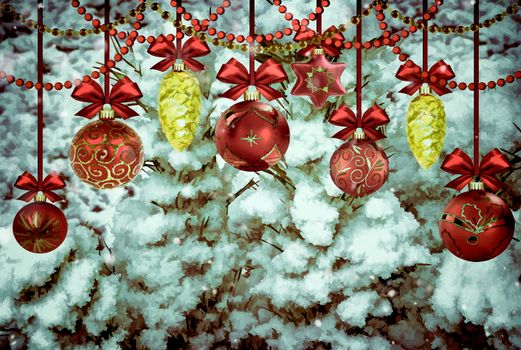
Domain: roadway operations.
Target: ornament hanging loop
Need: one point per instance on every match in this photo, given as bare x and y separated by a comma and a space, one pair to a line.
179, 67
425, 89
476, 184
359, 134
40, 197
318, 51
253, 95
107, 113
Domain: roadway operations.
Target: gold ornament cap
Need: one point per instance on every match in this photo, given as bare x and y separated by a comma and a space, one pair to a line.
40, 197
476, 185
179, 67
318, 51
425, 89
107, 113
359, 134
251, 95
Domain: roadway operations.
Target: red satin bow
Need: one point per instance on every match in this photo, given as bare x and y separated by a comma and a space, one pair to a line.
328, 44
436, 77
125, 90
28, 182
372, 118
234, 72
458, 162
193, 47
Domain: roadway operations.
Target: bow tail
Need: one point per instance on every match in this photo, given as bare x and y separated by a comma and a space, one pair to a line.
27, 196
90, 111
440, 89
53, 197
123, 111
269, 92
373, 134
164, 64
344, 134
235, 92
194, 65
492, 182
411, 88
460, 182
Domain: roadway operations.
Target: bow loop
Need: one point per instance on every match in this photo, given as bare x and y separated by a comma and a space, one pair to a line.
436, 77
331, 45
28, 182
125, 90
371, 119
493, 163
234, 72
191, 49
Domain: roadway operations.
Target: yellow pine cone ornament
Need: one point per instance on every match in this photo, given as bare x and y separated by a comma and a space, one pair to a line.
179, 107
426, 127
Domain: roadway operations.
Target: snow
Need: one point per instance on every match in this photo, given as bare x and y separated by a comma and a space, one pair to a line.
173, 257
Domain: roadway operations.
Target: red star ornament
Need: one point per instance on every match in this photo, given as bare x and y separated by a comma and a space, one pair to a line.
318, 79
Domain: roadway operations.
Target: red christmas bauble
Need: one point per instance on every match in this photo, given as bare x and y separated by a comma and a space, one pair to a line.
106, 154
476, 226
40, 227
359, 167
252, 136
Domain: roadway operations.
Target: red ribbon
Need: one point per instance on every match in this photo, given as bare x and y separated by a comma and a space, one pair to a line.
436, 77
329, 44
372, 118
28, 182
193, 47
458, 162
125, 90
234, 72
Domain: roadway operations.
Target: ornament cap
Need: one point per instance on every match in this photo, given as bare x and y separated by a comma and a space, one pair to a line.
40, 197
107, 113
359, 134
476, 185
251, 95
425, 89
318, 51
179, 67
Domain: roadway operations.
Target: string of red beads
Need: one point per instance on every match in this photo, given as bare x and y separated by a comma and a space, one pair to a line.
95, 74
404, 57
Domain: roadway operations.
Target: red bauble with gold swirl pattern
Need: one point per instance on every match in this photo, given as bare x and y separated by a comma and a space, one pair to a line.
40, 227
106, 154
252, 135
359, 167
476, 226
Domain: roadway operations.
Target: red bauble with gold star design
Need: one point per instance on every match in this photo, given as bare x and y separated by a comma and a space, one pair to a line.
318, 79
106, 154
40, 227
252, 135
359, 167
476, 226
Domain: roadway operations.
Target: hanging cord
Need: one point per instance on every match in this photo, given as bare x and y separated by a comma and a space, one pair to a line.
319, 17
476, 89
425, 37
40, 95
178, 32
107, 51
359, 64
252, 43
